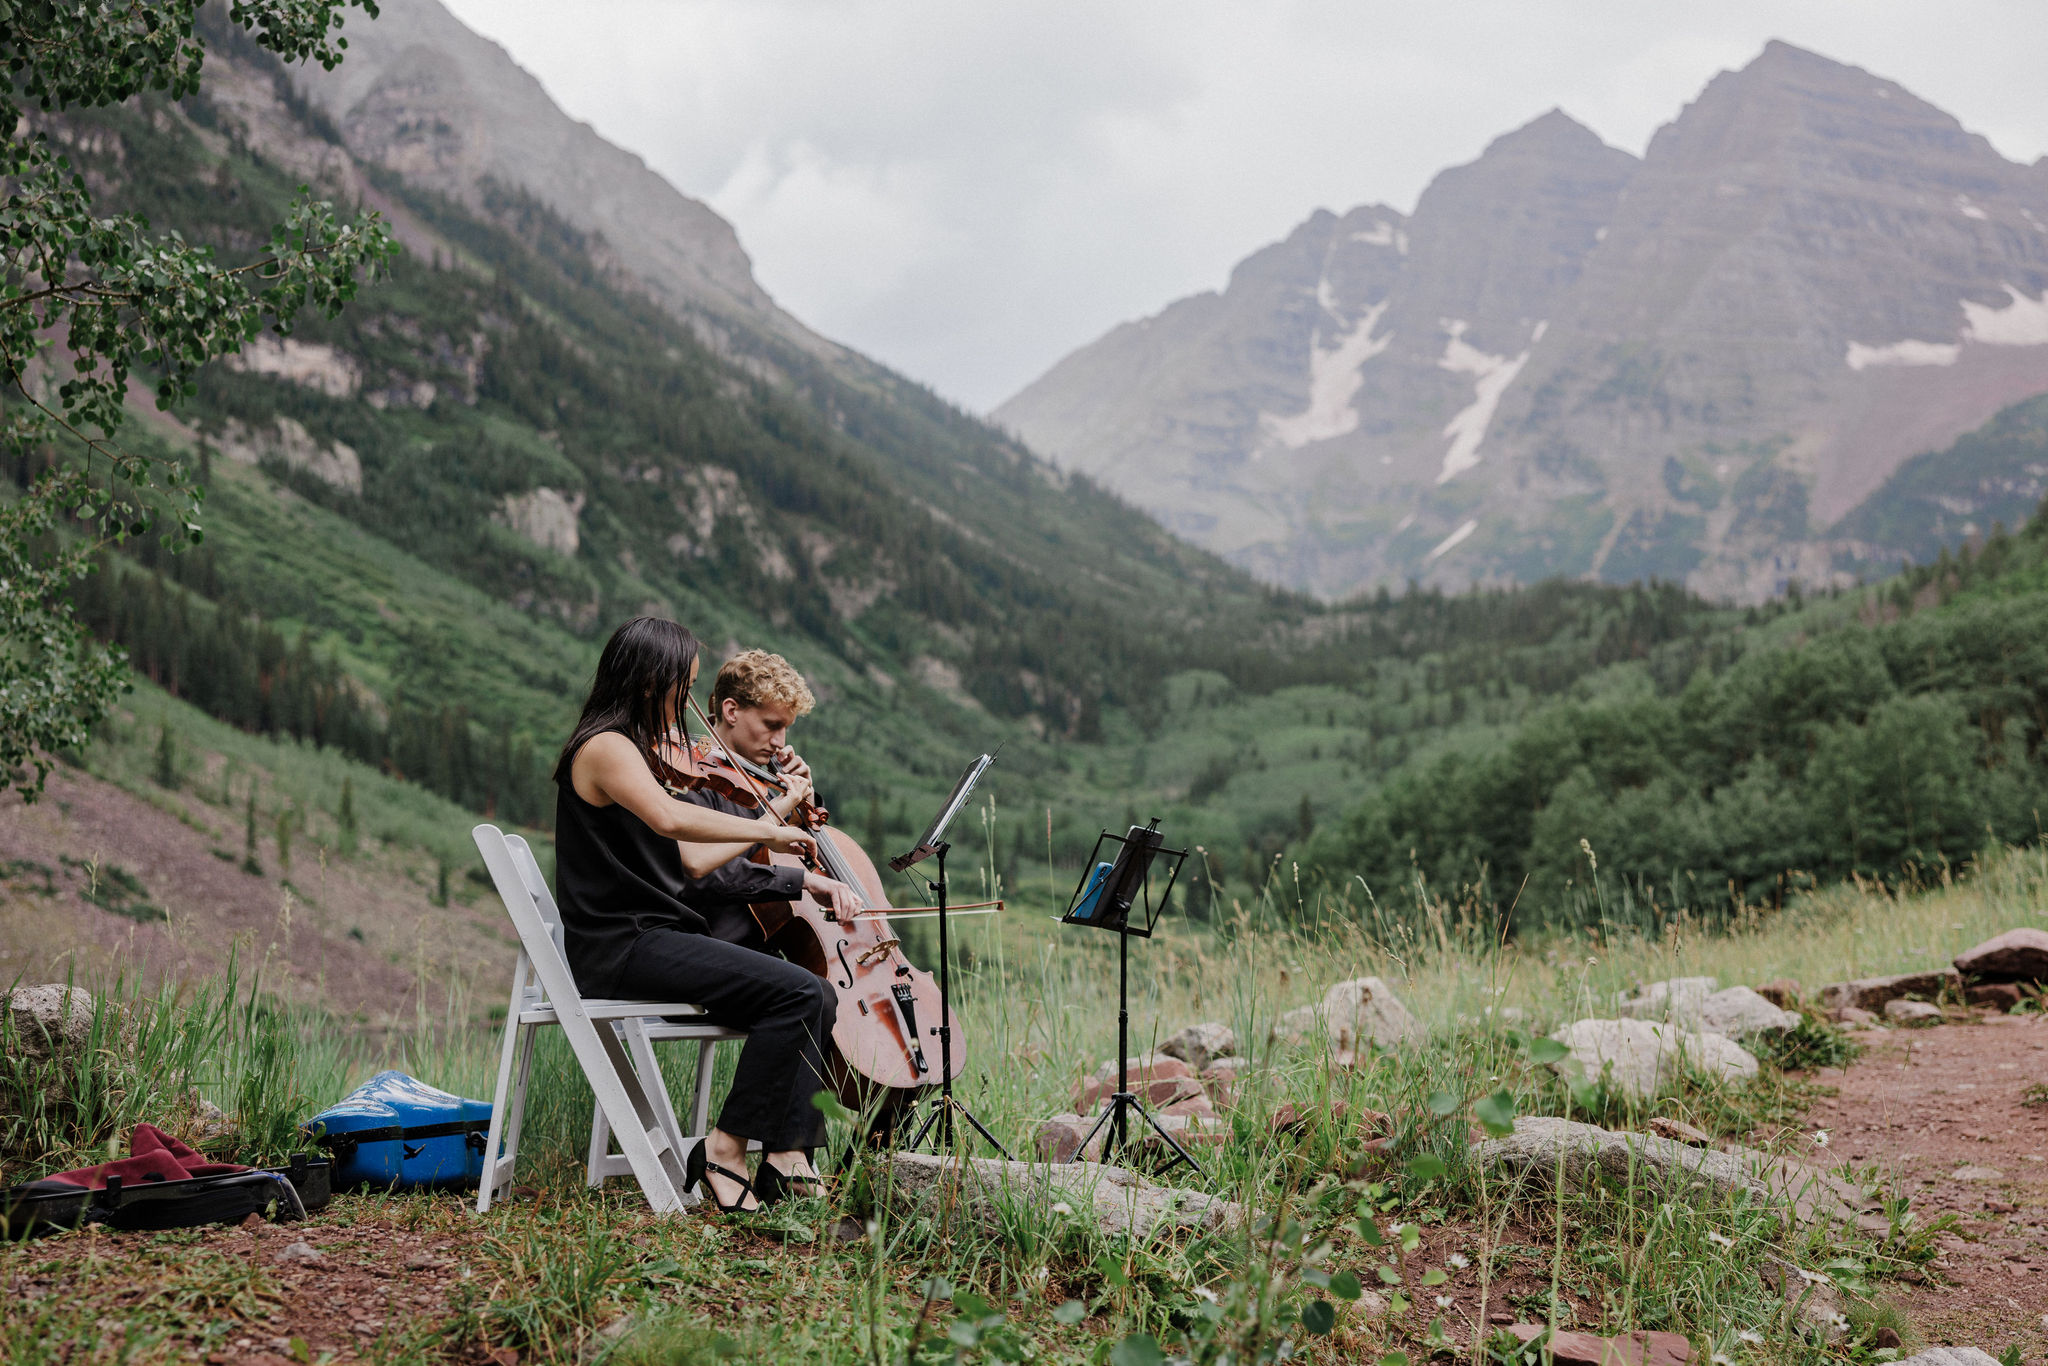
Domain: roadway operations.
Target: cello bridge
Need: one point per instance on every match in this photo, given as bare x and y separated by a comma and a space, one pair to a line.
879, 951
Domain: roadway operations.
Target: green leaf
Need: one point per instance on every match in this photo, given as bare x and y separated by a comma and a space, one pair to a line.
1369, 1229
937, 1289
1070, 1312
1389, 1276
1319, 1316
1345, 1286
1443, 1103
1496, 1113
1547, 1051
1138, 1349
1424, 1168
1394, 1359
1434, 1276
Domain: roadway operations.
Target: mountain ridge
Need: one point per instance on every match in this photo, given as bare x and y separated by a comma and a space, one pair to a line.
1573, 361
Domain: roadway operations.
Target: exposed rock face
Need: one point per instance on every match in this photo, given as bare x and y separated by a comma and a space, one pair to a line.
1541, 1146
422, 95
310, 365
1874, 993
1642, 1058
1119, 1202
2019, 955
286, 439
1568, 361
1200, 1044
547, 517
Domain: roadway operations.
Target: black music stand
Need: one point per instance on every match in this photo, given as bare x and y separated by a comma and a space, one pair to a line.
934, 845
1105, 898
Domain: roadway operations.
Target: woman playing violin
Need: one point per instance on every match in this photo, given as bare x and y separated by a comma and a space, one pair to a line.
629, 930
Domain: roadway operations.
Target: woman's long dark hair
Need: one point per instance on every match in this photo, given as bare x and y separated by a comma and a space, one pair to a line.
642, 666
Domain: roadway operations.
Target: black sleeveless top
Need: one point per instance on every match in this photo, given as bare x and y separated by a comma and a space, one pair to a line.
615, 879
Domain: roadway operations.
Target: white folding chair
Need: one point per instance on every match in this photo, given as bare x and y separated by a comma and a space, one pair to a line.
610, 1040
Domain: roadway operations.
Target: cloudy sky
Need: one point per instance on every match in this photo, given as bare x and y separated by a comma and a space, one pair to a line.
969, 190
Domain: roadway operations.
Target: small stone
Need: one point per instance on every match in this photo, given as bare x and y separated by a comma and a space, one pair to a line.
2019, 955
301, 1252
2003, 997
849, 1230
1365, 1011
1195, 1107
1976, 1174
1119, 1202
1885, 1337
1627, 1349
2001, 1207
1148, 1067
1782, 992
1292, 1119
1852, 1015
1950, 1356
1912, 1012
1200, 1044
1872, 993
424, 1261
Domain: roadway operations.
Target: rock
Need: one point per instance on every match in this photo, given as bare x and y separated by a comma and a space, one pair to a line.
1976, 1174
1200, 1044
1365, 1010
1641, 1057
1678, 1131
424, 1261
1154, 1078
1147, 1067
1678, 998
1292, 1119
547, 517
1220, 1079
1195, 1107
49, 1021
1872, 993
1539, 1145
2016, 956
1059, 1139
1998, 996
1852, 1015
286, 440
1297, 1026
1780, 991
1626, 1349
1090, 1093
1119, 1202
1738, 1013
1950, 1356
301, 1252
1912, 1012
1816, 1303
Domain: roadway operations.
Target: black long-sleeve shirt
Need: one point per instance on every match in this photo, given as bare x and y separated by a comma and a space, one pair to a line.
725, 894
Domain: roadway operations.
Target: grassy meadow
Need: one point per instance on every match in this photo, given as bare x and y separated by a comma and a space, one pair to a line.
545, 1272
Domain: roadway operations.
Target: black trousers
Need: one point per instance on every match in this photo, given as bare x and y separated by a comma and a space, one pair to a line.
786, 1011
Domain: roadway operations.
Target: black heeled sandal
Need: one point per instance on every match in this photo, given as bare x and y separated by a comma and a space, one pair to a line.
773, 1185
696, 1169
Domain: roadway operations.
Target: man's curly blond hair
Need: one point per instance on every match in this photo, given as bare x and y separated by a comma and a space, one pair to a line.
755, 678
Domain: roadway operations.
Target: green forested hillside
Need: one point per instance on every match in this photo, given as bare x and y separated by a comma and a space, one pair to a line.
424, 516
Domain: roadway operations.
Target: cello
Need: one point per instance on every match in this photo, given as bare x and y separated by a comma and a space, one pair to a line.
885, 1033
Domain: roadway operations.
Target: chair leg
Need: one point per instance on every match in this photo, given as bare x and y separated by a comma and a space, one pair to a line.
642, 1050
700, 1102
635, 1122
487, 1188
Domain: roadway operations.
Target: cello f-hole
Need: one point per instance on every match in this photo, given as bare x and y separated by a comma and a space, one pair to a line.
840, 949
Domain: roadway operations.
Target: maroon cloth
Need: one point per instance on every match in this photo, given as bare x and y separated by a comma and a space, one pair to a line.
153, 1155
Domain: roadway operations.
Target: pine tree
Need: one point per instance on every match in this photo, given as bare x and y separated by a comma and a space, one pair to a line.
166, 757
347, 816
441, 882
249, 863
283, 831
1305, 818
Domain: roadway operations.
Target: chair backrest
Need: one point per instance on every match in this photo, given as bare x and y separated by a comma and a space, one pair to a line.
536, 885
531, 912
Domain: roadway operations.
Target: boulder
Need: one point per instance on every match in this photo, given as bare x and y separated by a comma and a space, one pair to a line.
49, 1021
1912, 1012
1625, 1349
2019, 955
1678, 998
1539, 1146
1780, 991
1059, 1139
1950, 1356
1365, 1010
2000, 996
1852, 1015
1739, 1013
1873, 993
1201, 1044
1641, 1058
983, 1189
1297, 1026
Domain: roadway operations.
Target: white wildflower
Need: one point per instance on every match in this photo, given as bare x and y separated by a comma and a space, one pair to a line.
1206, 1293
1458, 1261
1720, 1239
1723, 1359
1062, 1207
1443, 1301
1820, 1138
1750, 1336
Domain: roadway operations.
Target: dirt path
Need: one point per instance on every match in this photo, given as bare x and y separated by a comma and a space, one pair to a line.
1944, 1112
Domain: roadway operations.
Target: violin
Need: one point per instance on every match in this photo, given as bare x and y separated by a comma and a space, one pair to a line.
885, 1035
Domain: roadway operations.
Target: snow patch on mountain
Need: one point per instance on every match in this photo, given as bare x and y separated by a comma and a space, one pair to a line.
2023, 322
1492, 376
1383, 234
1968, 208
1333, 381
1907, 352
1454, 538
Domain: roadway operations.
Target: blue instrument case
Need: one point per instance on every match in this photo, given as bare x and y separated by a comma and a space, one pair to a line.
397, 1133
